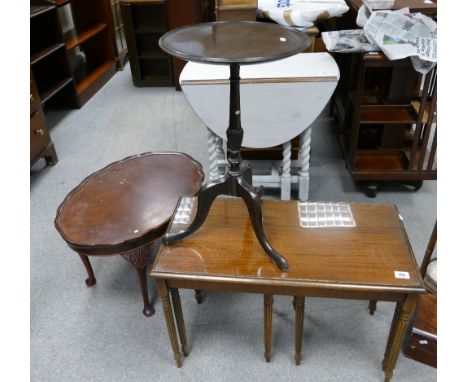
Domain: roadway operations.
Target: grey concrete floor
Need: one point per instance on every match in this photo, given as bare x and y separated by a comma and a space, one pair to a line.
99, 333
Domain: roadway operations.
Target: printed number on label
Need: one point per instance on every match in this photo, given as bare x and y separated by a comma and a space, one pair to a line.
402, 275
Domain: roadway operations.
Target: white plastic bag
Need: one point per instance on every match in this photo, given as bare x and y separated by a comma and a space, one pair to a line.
300, 13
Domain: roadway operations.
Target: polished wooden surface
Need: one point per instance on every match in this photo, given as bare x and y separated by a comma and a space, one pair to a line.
358, 263
128, 203
123, 208
426, 313
228, 42
360, 258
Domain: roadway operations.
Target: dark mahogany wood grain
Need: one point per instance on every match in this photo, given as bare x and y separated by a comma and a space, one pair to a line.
227, 42
123, 208
128, 203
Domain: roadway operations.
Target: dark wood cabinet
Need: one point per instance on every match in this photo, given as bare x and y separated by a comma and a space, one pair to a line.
71, 58
72, 55
47, 50
145, 21
387, 113
40, 143
48, 57
86, 27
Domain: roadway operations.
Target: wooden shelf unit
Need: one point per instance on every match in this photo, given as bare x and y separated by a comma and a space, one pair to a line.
390, 114
48, 56
86, 30
145, 21
384, 134
86, 35
35, 58
71, 47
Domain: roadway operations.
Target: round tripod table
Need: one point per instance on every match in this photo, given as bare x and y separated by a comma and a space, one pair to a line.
233, 43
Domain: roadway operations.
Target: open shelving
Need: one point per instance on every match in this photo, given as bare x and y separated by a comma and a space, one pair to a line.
86, 30
71, 51
388, 120
86, 35
48, 57
145, 21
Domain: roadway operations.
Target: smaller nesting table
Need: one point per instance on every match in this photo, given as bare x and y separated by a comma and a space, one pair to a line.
123, 208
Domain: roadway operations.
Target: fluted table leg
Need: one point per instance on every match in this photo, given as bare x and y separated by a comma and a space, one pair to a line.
396, 316
268, 323
163, 293
180, 320
298, 303
372, 307
395, 340
198, 296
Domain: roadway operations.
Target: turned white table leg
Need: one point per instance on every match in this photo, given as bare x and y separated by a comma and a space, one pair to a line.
304, 163
213, 155
221, 155
286, 172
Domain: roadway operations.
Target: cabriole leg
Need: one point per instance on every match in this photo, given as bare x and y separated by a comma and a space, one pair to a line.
90, 280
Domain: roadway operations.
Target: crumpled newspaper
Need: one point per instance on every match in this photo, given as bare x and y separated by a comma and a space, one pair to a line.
400, 34
300, 13
347, 41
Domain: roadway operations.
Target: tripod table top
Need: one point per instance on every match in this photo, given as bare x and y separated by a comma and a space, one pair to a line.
233, 42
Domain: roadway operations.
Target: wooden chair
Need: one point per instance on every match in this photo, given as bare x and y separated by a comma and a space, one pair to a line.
123, 208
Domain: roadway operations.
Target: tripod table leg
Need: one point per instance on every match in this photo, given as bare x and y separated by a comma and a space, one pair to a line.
251, 199
206, 196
